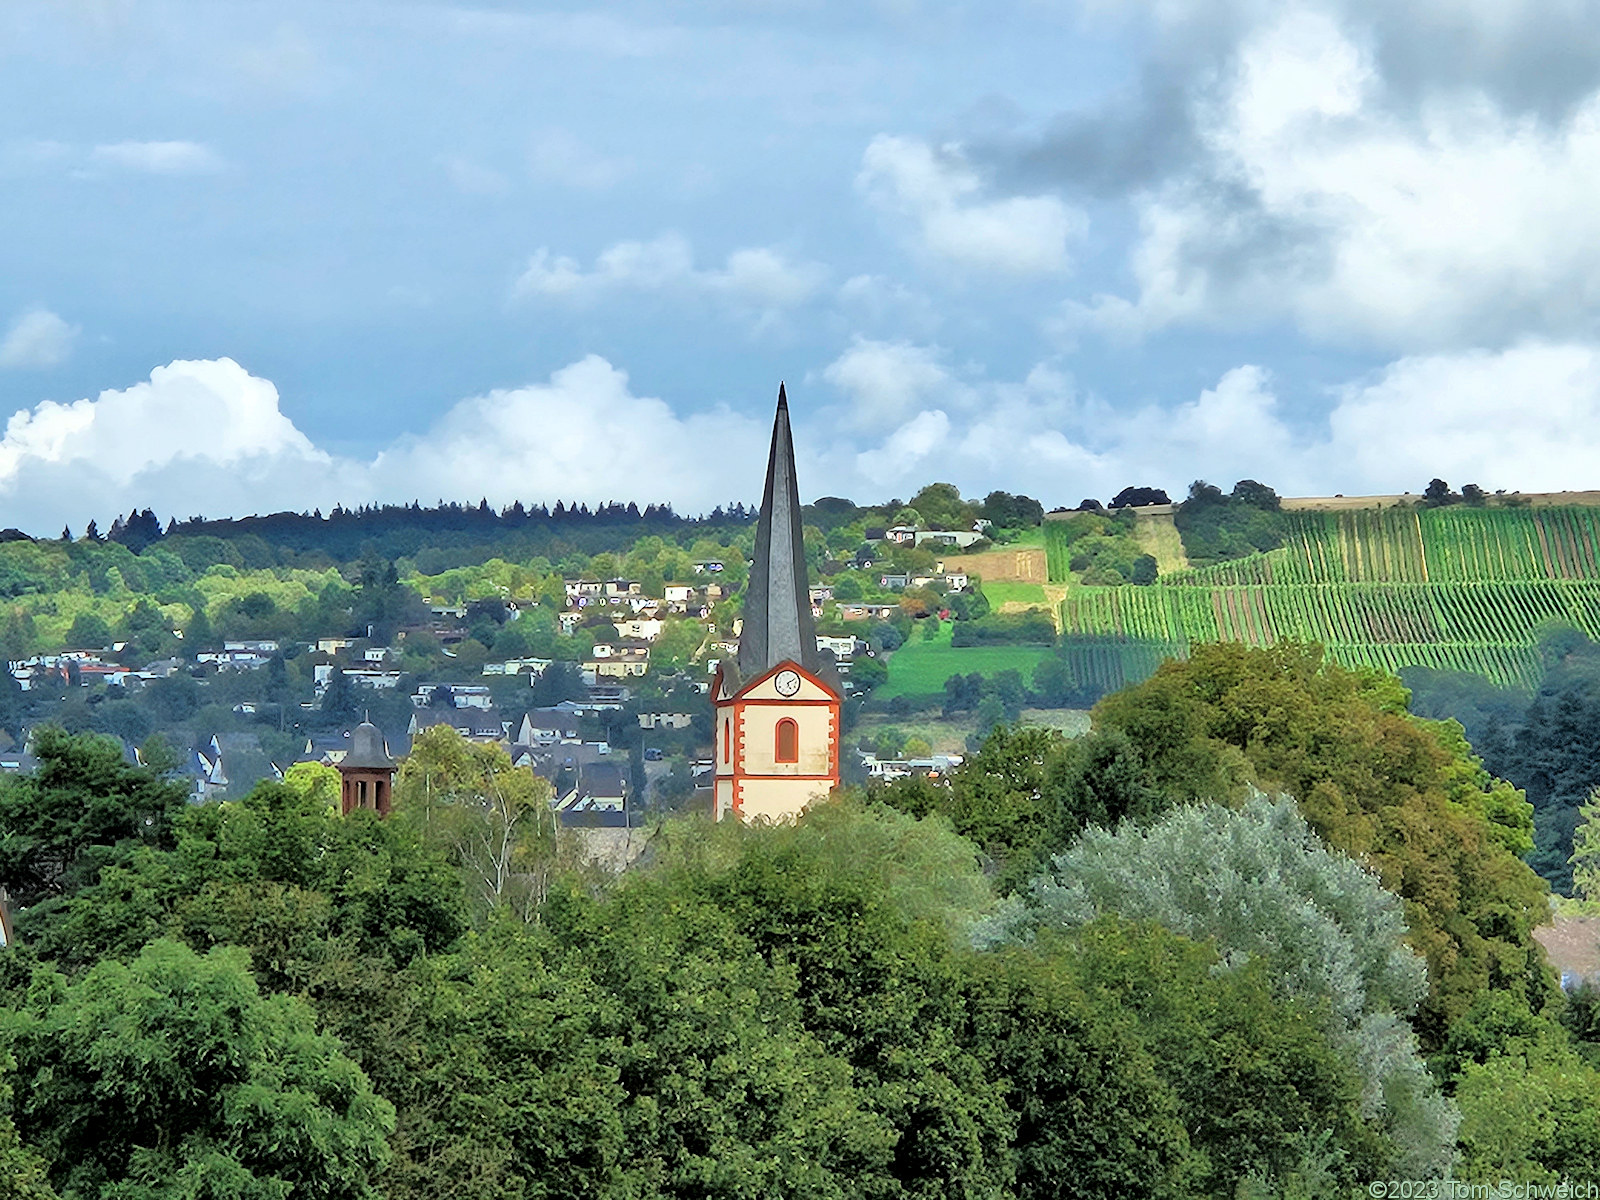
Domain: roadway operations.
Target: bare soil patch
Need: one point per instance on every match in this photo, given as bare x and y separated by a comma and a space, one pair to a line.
1572, 945
1001, 566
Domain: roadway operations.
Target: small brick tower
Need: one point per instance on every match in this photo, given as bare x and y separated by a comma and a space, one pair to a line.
367, 772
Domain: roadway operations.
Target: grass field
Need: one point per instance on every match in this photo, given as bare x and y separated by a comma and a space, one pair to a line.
948, 735
1158, 537
920, 667
1015, 593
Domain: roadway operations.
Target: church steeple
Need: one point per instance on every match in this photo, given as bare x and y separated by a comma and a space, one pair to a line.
777, 606
778, 705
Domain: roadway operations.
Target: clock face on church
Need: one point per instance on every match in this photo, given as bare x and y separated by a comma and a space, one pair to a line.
787, 683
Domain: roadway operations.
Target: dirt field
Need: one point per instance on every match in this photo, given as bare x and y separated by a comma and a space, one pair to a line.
1001, 566
1572, 944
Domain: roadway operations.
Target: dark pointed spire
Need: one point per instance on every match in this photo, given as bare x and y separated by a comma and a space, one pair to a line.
777, 603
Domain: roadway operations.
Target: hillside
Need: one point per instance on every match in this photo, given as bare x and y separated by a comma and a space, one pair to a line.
1455, 588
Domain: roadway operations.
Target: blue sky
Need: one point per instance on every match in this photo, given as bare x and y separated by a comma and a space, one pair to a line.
269, 255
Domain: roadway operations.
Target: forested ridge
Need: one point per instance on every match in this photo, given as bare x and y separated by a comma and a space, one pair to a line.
1262, 932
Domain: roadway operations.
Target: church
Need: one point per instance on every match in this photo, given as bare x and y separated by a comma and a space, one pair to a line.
778, 700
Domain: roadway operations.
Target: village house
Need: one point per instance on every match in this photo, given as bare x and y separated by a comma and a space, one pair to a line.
665, 720
372, 677
484, 726
843, 648
547, 726
462, 695
961, 538
638, 629
617, 662
862, 611
515, 666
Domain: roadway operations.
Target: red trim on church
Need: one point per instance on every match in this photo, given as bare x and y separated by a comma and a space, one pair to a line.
733, 708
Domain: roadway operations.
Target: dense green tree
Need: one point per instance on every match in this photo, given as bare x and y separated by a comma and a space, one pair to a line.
1270, 1106
1216, 527
1530, 1105
559, 681
198, 634
173, 1076
1400, 794
174, 699
340, 702
1028, 792
941, 507
89, 631
83, 806
1258, 884
1005, 511
496, 817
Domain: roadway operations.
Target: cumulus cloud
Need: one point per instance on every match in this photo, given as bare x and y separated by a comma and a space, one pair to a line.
158, 158
756, 277
196, 436
584, 435
37, 338
209, 437
943, 196
884, 382
1403, 177
1526, 418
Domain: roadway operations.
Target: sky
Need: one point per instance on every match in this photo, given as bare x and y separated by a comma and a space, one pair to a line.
261, 256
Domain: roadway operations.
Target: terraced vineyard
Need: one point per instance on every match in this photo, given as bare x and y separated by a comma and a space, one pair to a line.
1454, 588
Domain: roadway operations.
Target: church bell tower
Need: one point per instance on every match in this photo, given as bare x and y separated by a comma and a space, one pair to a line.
777, 703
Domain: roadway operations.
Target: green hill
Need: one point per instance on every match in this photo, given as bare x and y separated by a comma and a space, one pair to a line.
1454, 588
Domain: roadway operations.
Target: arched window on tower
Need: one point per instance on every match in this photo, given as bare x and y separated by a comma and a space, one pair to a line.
788, 748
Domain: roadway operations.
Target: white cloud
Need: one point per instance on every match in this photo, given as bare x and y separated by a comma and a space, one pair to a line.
158, 158
756, 277
884, 382
212, 410
904, 454
209, 437
583, 436
1451, 221
942, 195
37, 338
196, 437
1526, 418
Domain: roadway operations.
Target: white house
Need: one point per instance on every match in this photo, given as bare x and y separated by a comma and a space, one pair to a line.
639, 628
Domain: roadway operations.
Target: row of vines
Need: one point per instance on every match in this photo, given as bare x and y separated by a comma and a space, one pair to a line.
1488, 628
1410, 545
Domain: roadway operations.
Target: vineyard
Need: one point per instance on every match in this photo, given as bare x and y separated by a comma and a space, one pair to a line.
1453, 588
